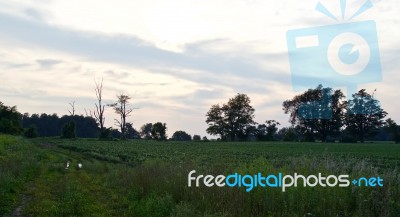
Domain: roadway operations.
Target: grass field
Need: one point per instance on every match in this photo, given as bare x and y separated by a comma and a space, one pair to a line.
147, 178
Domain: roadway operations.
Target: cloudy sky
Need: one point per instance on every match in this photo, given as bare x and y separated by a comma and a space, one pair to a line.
175, 58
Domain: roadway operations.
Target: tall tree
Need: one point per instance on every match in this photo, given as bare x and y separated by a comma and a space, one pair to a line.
318, 112
123, 109
215, 121
100, 107
233, 119
364, 115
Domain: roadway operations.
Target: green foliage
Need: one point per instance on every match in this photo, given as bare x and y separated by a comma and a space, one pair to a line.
159, 131
10, 120
31, 132
50, 125
145, 131
105, 134
232, 120
19, 163
147, 178
171, 162
196, 137
316, 124
68, 131
364, 115
181, 136
153, 206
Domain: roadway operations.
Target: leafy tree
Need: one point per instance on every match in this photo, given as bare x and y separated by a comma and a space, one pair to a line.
394, 129
232, 120
181, 136
31, 132
121, 107
205, 139
318, 112
196, 138
10, 120
68, 131
271, 129
216, 122
288, 134
145, 131
364, 115
159, 131
267, 132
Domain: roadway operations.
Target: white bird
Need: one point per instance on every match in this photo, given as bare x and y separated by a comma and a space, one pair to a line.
80, 165
67, 165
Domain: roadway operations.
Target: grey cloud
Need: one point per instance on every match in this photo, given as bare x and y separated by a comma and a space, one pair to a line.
133, 51
48, 63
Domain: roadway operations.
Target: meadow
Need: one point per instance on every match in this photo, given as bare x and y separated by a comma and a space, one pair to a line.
149, 178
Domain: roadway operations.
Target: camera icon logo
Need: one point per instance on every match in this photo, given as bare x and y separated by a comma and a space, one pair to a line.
341, 55
337, 55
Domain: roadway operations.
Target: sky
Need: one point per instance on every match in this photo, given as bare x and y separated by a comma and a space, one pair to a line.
174, 58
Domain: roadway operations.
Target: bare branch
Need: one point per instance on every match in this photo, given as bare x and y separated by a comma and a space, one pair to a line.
72, 112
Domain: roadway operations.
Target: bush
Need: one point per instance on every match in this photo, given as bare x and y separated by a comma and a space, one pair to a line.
196, 138
105, 134
31, 132
68, 131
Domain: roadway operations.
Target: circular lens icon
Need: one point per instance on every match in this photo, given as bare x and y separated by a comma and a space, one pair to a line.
349, 54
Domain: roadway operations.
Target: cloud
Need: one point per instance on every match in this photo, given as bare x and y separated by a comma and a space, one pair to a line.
48, 63
238, 49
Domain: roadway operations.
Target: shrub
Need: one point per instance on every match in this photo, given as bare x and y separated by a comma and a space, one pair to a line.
68, 131
31, 132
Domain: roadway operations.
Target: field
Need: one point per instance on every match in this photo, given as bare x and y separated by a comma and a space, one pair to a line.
149, 178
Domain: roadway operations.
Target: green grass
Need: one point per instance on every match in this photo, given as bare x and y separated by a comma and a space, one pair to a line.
147, 178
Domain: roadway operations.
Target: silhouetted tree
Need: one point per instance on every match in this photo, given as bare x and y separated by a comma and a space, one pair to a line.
10, 120
159, 131
318, 112
181, 136
196, 138
145, 131
51, 125
364, 115
100, 108
122, 108
131, 133
232, 120
394, 129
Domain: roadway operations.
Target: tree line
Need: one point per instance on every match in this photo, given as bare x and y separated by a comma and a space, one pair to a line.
317, 114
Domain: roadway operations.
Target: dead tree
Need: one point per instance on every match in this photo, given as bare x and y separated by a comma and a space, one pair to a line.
122, 108
99, 111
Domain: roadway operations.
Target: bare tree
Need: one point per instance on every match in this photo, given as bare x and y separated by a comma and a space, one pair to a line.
122, 108
72, 111
99, 112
